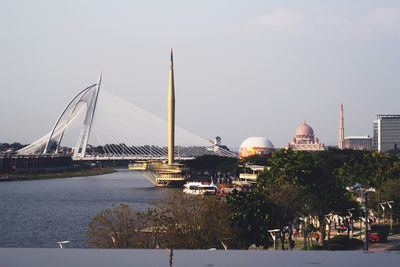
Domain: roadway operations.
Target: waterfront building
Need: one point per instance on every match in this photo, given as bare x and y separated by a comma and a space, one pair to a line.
305, 139
358, 142
341, 143
386, 132
250, 173
34, 164
253, 146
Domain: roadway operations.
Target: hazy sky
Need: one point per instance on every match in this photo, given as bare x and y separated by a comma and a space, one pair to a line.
242, 68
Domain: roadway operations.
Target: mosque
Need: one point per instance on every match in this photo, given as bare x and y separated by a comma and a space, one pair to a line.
305, 139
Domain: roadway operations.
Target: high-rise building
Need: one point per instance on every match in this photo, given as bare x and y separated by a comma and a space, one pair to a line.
341, 129
375, 135
386, 132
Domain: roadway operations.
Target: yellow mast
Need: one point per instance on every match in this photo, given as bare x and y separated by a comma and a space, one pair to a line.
171, 113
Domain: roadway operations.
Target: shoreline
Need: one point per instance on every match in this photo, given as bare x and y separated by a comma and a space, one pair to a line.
68, 174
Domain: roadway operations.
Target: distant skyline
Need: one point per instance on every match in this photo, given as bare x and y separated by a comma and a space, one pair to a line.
242, 68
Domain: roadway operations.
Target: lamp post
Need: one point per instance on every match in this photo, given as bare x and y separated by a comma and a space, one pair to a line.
364, 193
62, 243
391, 214
274, 234
389, 203
351, 220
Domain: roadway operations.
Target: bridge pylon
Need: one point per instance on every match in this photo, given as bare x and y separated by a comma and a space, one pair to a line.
81, 145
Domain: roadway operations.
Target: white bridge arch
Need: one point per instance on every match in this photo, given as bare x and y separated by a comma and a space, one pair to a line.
121, 129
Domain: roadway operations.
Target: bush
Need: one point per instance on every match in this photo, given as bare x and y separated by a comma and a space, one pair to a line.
396, 229
340, 242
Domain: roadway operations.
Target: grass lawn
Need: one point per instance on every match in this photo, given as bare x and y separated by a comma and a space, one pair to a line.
66, 174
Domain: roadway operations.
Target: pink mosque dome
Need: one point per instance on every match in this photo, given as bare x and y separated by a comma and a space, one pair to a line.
304, 130
305, 139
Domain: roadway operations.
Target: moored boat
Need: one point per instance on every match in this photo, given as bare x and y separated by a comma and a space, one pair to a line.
198, 188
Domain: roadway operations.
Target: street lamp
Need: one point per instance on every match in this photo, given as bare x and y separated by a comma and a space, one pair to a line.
383, 210
351, 222
274, 234
391, 214
389, 203
364, 192
61, 243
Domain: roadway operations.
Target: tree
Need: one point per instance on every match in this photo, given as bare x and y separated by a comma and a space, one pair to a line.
253, 215
289, 199
391, 192
179, 221
213, 164
284, 183
327, 190
305, 183
255, 160
370, 168
196, 222
114, 228
4, 146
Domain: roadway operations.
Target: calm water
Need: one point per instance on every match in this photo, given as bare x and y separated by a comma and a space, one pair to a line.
40, 213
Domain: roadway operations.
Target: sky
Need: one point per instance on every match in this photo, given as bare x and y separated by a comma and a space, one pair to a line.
242, 68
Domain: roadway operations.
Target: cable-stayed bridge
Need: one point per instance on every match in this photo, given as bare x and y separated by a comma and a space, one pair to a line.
118, 130
124, 131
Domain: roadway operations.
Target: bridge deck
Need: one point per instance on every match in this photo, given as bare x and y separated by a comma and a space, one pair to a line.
133, 158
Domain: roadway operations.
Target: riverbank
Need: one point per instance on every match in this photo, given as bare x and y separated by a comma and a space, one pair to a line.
65, 174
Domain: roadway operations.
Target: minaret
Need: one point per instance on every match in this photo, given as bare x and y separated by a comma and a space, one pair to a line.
171, 113
341, 128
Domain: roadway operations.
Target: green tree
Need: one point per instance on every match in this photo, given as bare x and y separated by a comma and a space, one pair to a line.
370, 168
327, 190
213, 165
284, 183
253, 215
255, 160
305, 183
391, 192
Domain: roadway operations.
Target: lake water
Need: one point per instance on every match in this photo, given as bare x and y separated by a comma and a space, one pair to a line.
39, 213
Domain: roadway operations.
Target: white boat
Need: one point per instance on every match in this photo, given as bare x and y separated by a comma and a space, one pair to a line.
197, 188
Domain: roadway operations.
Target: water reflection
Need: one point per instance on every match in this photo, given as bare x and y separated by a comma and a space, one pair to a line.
171, 255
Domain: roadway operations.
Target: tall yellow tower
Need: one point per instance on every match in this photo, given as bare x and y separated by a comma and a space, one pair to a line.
159, 172
171, 113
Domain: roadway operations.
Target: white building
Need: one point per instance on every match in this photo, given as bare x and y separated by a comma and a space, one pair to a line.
358, 142
253, 146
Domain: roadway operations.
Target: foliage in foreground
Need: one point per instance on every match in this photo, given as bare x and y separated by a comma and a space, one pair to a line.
340, 242
297, 189
300, 185
253, 215
180, 221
